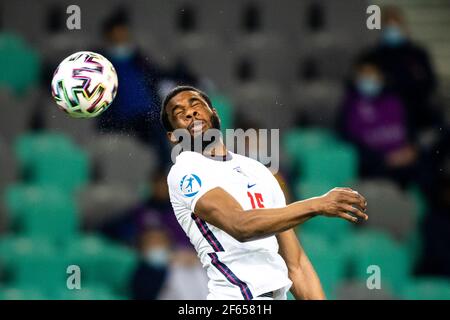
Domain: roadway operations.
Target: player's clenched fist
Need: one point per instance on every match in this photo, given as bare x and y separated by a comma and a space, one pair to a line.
343, 203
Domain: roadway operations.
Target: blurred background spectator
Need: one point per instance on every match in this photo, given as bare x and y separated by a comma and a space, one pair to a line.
302, 66
164, 272
374, 119
152, 269
138, 103
154, 209
409, 68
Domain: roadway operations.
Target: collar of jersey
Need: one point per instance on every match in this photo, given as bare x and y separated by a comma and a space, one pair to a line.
227, 157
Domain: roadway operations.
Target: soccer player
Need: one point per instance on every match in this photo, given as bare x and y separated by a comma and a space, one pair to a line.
235, 214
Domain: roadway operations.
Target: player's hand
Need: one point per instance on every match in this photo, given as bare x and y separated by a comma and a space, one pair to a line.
343, 203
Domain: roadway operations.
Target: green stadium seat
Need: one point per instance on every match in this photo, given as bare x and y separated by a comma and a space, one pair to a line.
318, 155
358, 290
427, 289
20, 64
328, 260
371, 247
22, 293
42, 211
10, 247
332, 229
102, 262
305, 189
41, 270
298, 142
31, 145
41, 156
85, 293
56, 222
19, 198
336, 163
14, 246
36, 265
225, 110
33, 262
124, 261
87, 251
47, 169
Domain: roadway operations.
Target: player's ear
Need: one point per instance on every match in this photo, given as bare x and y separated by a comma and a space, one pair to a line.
214, 110
172, 137
216, 114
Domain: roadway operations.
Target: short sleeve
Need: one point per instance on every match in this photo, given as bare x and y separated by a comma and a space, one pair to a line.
279, 200
188, 181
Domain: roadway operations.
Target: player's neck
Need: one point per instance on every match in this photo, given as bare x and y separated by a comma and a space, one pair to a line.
215, 150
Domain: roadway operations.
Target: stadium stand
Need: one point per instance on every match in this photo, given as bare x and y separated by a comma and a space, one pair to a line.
279, 66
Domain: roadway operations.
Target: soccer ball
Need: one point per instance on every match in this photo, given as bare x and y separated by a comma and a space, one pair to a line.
84, 85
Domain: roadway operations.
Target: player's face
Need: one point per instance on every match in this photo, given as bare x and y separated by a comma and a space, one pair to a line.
188, 110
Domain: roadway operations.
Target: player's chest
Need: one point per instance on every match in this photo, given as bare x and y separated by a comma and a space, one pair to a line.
248, 186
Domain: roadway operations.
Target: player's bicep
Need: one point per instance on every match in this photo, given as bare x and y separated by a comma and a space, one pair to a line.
220, 209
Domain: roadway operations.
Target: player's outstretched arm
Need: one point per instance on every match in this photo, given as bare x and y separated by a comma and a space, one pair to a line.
220, 209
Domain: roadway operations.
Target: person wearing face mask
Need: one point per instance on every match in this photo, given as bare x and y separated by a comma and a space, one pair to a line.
167, 272
168, 267
137, 102
373, 118
409, 68
153, 267
153, 209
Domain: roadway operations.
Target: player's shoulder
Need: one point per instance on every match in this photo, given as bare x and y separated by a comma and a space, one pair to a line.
185, 161
187, 158
251, 163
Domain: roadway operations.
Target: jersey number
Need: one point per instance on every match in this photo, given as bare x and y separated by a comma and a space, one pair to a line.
259, 200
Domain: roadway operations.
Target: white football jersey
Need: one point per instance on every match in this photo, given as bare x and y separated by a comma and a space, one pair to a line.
236, 270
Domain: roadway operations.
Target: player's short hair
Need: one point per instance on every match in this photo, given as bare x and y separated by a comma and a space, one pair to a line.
164, 117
